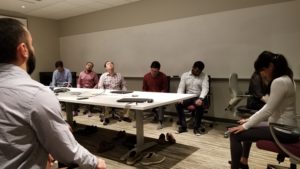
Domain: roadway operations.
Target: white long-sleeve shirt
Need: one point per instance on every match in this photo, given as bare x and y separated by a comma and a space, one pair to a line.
192, 84
31, 125
280, 107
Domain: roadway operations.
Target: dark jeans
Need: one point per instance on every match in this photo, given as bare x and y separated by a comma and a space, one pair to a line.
159, 113
198, 113
240, 143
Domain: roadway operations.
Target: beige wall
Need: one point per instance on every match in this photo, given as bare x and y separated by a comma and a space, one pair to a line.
150, 11
46, 43
45, 34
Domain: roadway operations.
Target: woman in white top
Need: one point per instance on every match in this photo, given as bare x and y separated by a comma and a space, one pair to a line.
280, 108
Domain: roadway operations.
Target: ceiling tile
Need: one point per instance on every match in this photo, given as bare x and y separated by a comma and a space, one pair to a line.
59, 9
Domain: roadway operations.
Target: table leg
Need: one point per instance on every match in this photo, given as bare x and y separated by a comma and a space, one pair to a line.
140, 145
139, 128
69, 108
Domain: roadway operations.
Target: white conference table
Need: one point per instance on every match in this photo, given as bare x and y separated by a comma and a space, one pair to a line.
105, 98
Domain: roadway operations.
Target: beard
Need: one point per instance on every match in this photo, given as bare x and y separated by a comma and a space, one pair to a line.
30, 63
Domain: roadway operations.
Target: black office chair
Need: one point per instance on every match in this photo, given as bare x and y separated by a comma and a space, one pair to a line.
74, 79
191, 109
46, 78
207, 101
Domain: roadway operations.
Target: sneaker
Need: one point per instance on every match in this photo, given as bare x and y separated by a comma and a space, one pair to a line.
133, 157
181, 130
197, 132
171, 138
152, 158
161, 139
106, 121
127, 119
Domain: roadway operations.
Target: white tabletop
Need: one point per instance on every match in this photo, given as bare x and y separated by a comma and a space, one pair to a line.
106, 98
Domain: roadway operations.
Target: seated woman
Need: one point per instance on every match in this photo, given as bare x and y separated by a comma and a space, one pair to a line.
280, 108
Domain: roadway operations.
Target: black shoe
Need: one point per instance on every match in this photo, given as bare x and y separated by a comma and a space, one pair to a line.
181, 130
106, 121
127, 119
70, 166
197, 132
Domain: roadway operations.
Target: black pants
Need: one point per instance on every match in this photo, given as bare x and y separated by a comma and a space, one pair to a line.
198, 113
240, 143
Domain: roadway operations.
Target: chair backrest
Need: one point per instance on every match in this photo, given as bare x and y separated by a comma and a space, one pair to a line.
99, 75
207, 99
46, 78
234, 85
168, 81
74, 79
234, 91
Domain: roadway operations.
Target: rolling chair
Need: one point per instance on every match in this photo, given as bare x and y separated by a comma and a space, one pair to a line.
191, 109
236, 96
284, 150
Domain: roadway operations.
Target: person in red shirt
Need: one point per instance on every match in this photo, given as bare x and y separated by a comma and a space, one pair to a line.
87, 79
156, 81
